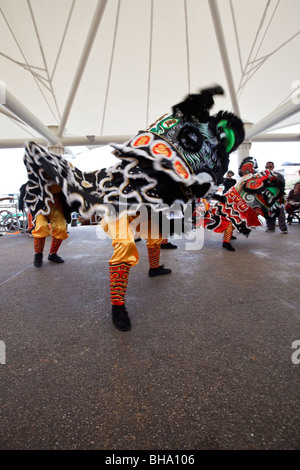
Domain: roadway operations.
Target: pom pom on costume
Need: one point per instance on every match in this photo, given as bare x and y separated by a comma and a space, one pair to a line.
198, 105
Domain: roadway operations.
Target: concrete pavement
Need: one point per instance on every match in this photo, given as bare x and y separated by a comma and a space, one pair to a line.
210, 363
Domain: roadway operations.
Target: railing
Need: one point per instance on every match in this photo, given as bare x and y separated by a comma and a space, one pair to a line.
12, 220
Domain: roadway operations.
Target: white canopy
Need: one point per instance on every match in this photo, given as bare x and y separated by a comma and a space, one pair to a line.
100, 70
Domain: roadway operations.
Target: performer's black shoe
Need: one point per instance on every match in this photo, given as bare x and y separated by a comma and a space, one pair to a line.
228, 246
55, 258
38, 260
120, 318
160, 271
168, 246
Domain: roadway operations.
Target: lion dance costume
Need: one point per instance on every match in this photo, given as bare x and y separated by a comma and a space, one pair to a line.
182, 156
257, 194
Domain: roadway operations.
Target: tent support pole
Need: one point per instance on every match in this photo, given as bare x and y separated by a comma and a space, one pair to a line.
77, 141
21, 112
280, 114
82, 63
224, 54
276, 138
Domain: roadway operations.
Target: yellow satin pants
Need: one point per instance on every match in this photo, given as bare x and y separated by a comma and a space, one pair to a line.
122, 234
57, 221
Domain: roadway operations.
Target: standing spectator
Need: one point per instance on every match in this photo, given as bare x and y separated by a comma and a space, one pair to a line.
281, 217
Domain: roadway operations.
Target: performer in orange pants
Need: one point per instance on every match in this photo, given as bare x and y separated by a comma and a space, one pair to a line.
58, 230
124, 257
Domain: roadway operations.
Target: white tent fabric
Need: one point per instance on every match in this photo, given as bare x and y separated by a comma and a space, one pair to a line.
100, 70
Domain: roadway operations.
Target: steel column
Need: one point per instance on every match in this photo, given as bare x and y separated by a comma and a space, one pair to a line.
224, 55
88, 141
280, 114
15, 107
276, 138
82, 63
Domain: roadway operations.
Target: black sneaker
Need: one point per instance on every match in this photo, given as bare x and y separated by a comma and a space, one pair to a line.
228, 246
120, 317
38, 260
168, 246
160, 271
55, 258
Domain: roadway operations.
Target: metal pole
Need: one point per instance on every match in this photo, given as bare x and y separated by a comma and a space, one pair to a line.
82, 63
243, 150
276, 138
20, 111
20, 143
224, 55
91, 141
88, 141
280, 114
10, 115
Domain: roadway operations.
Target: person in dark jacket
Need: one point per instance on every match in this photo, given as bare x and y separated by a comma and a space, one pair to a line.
281, 217
228, 181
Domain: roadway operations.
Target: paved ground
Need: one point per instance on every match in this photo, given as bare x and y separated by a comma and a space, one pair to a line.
207, 365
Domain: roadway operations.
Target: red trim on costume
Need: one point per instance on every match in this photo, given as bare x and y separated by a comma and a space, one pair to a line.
153, 255
246, 213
